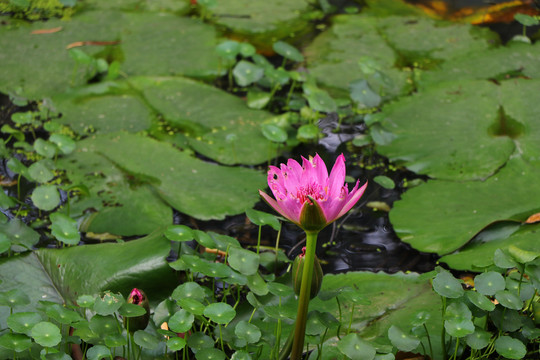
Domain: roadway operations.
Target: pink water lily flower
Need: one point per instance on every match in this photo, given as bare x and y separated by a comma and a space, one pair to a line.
307, 195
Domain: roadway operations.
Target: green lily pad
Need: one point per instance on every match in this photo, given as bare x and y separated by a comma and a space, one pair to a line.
220, 125
426, 42
516, 59
90, 110
336, 56
483, 254
173, 45
395, 299
42, 274
208, 191
38, 65
125, 205
442, 216
261, 22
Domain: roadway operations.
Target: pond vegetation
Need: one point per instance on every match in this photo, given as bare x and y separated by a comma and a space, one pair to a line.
136, 137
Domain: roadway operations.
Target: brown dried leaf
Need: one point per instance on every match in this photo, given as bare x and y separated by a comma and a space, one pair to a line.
533, 219
46, 31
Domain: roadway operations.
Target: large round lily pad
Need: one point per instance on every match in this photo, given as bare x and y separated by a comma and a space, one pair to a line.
354, 49
62, 275
86, 110
515, 59
441, 216
261, 22
463, 130
38, 64
126, 205
165, 44
194, 187
222, 127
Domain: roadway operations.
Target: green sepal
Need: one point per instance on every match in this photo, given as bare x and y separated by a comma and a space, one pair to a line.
312, 216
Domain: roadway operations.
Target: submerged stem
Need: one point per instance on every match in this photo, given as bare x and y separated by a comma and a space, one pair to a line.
303, 300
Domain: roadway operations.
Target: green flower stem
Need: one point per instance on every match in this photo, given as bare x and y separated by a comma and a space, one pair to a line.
303, 301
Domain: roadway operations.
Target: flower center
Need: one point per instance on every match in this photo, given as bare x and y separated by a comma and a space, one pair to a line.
314, 190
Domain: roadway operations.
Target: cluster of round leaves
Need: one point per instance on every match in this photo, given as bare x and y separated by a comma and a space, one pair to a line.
503, 296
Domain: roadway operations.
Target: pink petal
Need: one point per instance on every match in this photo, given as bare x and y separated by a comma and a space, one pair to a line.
352, 199
287, 211
320, 170
337, 178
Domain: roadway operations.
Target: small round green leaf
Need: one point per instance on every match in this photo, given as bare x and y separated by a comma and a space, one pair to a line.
244, 261
108, 303
145, 340
522, 256
479, 339
258, 99
510, 348
288, 51
15, 342
280, 289
14, 298
220, 313
131, 310
274, 133
401, 340
241, 355
176, 343
384, 181
46, 197
85, 301
23, 322
509, 300
526, 20
181, 321
246, 49
179, 233
480, 301
458, 320
64, 143
193, 306
249, 332
257, 285
98, 352
228, 49
210, 354
101, 324
246, 73
261, 218
489, 283
45, 148
115, 340
355, 348
190, 290
420, 318
62, 315
199, 341
502, 260
445, 284
39, 172
46, 334
65, 229
307, 132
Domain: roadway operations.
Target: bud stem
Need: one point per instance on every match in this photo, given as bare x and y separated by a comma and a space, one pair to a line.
303, 300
